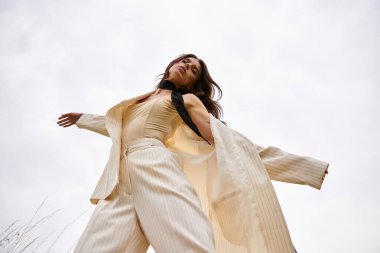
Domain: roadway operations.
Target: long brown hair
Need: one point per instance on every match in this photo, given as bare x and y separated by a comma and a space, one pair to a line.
203, 88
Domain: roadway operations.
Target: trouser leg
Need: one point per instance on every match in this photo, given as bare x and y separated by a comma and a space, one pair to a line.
113, 227
168, 207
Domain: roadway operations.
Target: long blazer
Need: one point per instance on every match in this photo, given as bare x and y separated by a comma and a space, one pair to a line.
232, 179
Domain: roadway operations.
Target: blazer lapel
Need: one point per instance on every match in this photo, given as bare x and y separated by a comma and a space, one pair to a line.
114, 116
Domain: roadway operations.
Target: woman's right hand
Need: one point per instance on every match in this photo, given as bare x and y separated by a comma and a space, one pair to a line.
68, 119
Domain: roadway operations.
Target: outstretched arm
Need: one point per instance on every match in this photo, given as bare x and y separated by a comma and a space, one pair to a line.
291, 168
92, 122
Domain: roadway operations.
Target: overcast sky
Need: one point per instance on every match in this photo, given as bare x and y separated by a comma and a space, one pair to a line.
299, 75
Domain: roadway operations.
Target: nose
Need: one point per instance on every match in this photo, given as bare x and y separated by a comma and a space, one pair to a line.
187, 65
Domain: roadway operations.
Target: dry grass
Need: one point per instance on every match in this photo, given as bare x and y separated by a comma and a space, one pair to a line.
17, 238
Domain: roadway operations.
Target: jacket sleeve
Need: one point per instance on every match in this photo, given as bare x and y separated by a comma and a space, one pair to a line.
93, 122
291, 168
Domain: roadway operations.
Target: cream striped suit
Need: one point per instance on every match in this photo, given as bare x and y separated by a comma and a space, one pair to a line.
231, 180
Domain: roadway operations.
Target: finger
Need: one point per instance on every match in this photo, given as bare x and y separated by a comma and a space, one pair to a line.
63, 117
63, 120
67, 125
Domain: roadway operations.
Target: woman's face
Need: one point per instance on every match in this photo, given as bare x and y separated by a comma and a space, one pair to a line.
185, 72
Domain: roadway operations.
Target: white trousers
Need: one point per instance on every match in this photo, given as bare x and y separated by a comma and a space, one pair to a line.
163, 210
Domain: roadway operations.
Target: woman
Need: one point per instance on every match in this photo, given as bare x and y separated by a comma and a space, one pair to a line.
181, 180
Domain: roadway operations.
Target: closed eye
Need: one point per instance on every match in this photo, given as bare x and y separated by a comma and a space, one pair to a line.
194, 69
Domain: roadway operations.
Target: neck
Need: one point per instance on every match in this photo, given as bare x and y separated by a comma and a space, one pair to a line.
169, 85
162, 91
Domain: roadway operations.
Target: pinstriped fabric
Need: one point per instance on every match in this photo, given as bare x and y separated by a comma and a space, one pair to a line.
112, 123
231, 179
274, 228
113, 227
304, 170
163, 209
168, 206
240, 199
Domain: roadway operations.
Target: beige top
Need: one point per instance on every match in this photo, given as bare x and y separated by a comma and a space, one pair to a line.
156, 118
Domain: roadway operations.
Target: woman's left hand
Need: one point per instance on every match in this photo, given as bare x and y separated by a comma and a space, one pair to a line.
68, 119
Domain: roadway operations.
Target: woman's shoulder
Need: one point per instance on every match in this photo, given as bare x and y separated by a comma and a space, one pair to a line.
190, 99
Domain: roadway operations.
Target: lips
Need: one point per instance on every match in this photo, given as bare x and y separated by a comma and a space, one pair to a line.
182, 70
